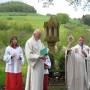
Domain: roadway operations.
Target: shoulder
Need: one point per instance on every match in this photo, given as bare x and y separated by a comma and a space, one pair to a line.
86, 46
19, 47
30, 40
8, 47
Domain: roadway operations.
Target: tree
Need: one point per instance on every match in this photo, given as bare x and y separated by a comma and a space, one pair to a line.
62, 18
85, 4
13, 6
86, 19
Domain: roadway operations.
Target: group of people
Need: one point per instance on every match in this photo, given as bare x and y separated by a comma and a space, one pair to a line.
77, 67
38, 65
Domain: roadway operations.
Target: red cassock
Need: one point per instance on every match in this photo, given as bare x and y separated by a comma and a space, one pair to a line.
14, 81
45, 83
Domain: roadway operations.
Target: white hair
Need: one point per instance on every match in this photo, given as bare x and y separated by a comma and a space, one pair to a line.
36, 31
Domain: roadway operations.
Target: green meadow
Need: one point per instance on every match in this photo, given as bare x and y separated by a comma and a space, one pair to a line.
23, 24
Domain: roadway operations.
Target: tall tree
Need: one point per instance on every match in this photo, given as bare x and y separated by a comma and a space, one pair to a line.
84, 4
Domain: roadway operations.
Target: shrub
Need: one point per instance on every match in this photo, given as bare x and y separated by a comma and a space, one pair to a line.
62, 18
86, 19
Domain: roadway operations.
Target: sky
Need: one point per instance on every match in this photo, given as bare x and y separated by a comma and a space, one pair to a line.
60, 6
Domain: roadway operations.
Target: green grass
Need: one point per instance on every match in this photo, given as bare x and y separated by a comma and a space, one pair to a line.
22, 24
35, 20
56, 88
2, 74
19, 25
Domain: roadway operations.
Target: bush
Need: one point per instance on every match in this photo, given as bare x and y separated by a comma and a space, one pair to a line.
86, 19
62, 18
59, 57
25, 26
4, 25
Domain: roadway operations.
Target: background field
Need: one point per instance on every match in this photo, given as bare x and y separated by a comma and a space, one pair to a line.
23, 24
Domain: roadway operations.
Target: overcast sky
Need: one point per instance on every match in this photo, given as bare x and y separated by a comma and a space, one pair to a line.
60, 6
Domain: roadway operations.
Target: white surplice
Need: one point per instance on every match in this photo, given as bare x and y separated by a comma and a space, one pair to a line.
13, 65
47, 62
76, 68
35, 73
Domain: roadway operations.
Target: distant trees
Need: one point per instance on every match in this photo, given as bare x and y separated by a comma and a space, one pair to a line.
62, 18
86, 19
16, 7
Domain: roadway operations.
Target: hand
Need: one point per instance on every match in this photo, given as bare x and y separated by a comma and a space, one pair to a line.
83, 52
42, 58
68, 51
14, 55
76, 50
45, 66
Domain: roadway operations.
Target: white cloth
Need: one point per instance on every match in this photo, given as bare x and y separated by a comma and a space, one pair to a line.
47, 62
88, 69
76, 70
35, 73
13, 65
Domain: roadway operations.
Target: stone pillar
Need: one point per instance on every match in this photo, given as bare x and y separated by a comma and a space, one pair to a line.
52, 35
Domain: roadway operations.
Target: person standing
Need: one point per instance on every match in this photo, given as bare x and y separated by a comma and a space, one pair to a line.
14, 59
35, 73
76, 60
47, 65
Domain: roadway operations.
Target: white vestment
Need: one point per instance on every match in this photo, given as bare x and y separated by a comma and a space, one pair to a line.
76, 68
13, 65
47, 62
35, 71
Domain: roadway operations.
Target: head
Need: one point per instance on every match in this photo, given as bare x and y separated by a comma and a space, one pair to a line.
81, 40
14, 41
37, 34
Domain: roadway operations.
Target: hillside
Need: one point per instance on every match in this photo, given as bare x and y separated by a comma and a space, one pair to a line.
13, 6
23, 24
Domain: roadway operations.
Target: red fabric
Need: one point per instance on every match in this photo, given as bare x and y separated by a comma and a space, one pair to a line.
14, 81
45, 66
45, 82
14, 46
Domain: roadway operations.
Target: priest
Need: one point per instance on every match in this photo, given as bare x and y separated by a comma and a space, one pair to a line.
76, 66
35, 73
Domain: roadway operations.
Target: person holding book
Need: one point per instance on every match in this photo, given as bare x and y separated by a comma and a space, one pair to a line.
35, 58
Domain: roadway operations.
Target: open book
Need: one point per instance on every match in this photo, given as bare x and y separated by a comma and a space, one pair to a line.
44, 51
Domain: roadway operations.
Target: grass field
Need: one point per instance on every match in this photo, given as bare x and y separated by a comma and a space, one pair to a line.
19, 25
22, 24
35, 20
